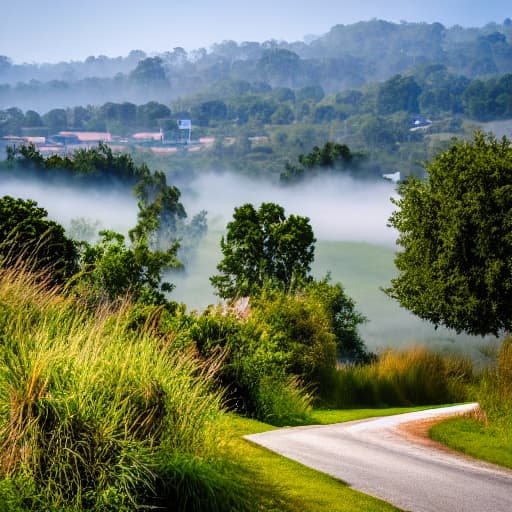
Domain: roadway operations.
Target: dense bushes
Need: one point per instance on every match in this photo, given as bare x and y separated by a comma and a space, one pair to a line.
495, 390
279, 350
255, 372
98, 415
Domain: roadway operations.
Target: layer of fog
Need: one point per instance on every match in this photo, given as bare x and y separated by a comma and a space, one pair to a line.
114, 209
339, 208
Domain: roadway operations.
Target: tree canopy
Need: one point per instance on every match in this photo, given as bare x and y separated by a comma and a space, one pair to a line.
263, 245
455, 230
27, 234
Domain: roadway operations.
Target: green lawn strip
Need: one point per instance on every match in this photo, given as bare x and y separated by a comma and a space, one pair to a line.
330, 416
473, 438
293, 486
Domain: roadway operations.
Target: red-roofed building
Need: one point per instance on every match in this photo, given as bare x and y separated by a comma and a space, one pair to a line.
88, 136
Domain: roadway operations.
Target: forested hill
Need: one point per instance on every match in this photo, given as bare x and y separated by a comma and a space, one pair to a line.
348, 56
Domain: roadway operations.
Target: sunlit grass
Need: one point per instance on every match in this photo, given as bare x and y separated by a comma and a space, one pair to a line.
473, 438
407, 377
330, 416
95, 415
487, 434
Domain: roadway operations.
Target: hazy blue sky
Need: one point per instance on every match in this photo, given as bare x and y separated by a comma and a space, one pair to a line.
53, 30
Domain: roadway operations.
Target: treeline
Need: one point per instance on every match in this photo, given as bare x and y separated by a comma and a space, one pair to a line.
431, 91
346, 57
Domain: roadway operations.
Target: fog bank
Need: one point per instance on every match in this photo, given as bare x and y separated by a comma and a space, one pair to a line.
115, 209
340, 208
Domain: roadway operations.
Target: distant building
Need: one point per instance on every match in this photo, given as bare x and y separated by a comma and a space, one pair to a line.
420, 123
394, 177
87, 137
147, 136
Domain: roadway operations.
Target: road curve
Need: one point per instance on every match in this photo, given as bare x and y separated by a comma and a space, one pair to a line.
374, 457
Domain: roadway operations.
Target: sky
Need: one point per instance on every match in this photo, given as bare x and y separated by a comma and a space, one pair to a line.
63, 30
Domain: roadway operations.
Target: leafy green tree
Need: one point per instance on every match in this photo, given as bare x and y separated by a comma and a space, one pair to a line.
204, 113
330, 157
160, 211
56, 120
112, 270
27, 234
150, 113
262, 245
32, 119
11, 121
149, 71
98, 162
398, 93
455, 230
279, 66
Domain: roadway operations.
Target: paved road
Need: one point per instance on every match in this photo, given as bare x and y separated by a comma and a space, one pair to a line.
373, 457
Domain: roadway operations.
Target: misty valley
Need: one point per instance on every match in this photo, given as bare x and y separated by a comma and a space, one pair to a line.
199, 246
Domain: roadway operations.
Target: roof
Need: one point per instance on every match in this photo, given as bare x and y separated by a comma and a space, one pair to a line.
88, 136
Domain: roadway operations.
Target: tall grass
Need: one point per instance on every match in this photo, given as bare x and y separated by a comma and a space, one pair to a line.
495, 391
414, 376
95, 415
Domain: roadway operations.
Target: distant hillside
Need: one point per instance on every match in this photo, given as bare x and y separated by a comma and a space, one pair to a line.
348, 56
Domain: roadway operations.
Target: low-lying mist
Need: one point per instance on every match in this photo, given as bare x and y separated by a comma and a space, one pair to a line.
112, 208
349, 219
340, 208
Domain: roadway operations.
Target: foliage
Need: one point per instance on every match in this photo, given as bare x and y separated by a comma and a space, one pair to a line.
99, 163
112, 271
398, 93
486, 434
343, 318
332, 156
495, 390
93, 413
260, 245
253, 371
159, 211
454, 230
297, 325
26, 233
415, 376
275, 338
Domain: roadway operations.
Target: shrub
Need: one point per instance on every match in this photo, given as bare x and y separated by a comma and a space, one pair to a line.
256, 372
89, 408
298, 326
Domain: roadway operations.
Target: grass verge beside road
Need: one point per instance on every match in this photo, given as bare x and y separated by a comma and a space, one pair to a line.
473, 438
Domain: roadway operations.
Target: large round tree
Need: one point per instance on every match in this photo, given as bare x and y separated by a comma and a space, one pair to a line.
455, 230
263, 245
